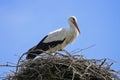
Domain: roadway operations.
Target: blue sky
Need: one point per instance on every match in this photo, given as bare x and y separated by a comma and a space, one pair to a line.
23, 23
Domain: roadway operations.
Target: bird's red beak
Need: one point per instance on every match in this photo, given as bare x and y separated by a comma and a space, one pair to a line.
76, 25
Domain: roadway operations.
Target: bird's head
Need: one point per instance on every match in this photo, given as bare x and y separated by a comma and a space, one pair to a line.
73, 22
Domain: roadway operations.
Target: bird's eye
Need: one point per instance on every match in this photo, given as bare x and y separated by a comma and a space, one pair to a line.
73, 19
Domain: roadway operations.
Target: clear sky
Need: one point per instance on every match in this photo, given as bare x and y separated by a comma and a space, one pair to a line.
23, 23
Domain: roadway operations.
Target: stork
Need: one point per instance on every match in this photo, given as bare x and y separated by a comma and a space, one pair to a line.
56, 40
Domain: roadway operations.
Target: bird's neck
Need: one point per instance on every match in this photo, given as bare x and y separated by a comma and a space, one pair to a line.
74, 30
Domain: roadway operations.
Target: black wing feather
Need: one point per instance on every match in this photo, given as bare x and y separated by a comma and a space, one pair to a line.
42, 47
45, 46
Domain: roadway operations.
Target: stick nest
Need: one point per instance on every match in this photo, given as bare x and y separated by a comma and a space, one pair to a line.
62, 67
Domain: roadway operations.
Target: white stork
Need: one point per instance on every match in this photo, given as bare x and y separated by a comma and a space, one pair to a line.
56, 40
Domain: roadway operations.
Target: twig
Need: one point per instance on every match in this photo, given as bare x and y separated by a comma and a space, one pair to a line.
7, 65
73, 76
75, 51
102, 63
67, 53
19, 61
108, 67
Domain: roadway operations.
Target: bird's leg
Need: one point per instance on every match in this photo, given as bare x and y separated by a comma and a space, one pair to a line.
67, 53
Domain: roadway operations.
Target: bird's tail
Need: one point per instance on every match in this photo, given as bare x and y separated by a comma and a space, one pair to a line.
33, 52
30, 56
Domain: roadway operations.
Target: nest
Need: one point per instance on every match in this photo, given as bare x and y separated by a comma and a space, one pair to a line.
63, 67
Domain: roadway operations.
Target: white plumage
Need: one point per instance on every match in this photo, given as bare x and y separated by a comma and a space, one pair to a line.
56, 40
56, 35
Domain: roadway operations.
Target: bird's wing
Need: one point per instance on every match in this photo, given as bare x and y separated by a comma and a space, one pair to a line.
52, 39
56, 35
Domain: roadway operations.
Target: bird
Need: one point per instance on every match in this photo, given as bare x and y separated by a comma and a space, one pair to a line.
56, 40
